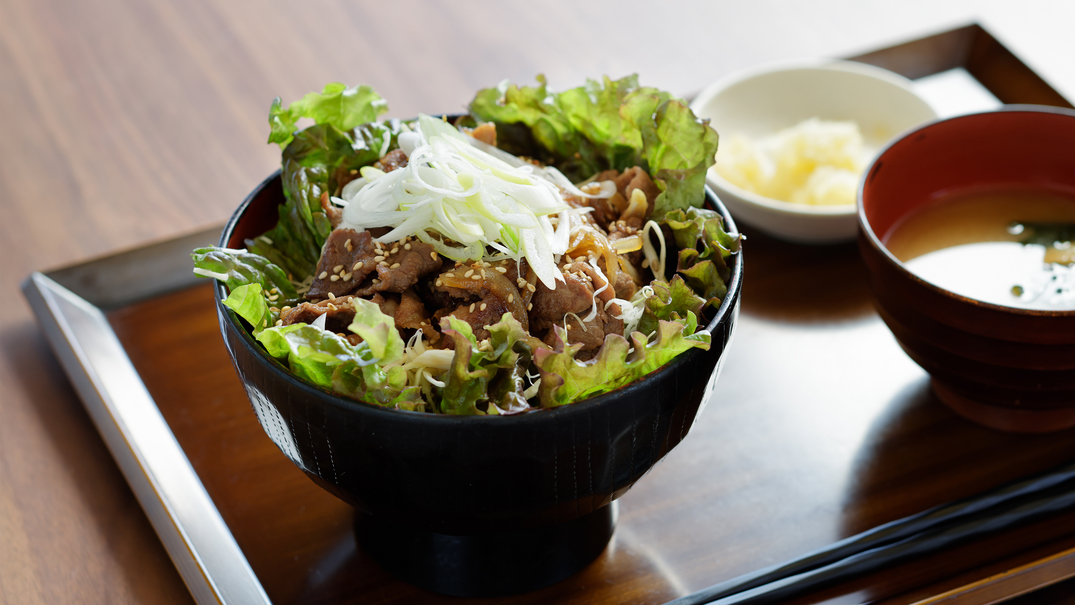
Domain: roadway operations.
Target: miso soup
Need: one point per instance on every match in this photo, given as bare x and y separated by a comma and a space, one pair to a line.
1010, 247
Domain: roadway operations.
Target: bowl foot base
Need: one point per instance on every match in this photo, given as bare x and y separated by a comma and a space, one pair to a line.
486, 565
1002, 418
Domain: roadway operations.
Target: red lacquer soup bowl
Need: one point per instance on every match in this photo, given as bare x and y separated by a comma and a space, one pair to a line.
1006, 367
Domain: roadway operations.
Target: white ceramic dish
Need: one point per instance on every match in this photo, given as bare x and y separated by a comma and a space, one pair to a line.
763, 100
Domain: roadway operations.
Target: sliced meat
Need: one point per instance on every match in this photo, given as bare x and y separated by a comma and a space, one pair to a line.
392, 160
484, 295
332, 211
399, 266
341, 312
388, 304
637, 178
486, 133
345, 262
590, 335
573, 295
607, 311
412, 315
524, 279
573, 301
626, 183
352, 263
624, 285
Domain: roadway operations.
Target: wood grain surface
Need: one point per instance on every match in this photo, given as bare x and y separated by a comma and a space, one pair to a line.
125, 122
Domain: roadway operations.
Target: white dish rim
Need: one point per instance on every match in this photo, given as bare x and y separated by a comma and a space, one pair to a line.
720, 184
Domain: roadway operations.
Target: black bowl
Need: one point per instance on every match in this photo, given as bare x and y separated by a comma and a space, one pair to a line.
446, 478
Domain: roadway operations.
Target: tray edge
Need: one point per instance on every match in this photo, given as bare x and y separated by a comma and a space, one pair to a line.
168, 489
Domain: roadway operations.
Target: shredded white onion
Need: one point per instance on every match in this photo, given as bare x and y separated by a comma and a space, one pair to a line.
408, 142
532, 390
593, 311
432, 358
213, 274
453, 189
651, 253
631, 310
385, 145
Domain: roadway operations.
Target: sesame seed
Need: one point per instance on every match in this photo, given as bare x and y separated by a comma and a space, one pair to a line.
511, 298
569, 326
346, 276
273, 297
394, 250
469, 273
475, 277
331, 296
406, 246
394, 266
279, 322
350, 247
483, 273
501, 270
383, 263
337, 268
439, 282
335, 278
357, 266
434, 255
332, 307
531, 287
286, 308
472, 307
323, 275
378, 259
529, 306
376, 281
482, 307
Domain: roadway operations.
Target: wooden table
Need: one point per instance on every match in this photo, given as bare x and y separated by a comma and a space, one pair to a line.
127, 122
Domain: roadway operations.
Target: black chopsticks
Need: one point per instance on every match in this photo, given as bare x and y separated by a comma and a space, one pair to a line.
913, 536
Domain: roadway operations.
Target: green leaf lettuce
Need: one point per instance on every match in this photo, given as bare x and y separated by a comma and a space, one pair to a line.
609, 124
364, 371
618, 362
339, 105
488, 377
240, 267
